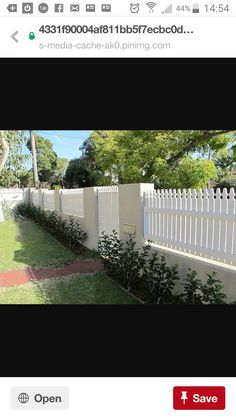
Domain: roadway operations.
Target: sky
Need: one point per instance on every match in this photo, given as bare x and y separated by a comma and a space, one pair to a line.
65, 143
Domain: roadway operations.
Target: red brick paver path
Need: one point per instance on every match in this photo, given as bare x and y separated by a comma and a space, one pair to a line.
22, 276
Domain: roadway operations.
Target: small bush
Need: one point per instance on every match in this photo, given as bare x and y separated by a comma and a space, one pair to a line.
147, 274
160, 279
121, 260
138, 270
68, 232
195, 292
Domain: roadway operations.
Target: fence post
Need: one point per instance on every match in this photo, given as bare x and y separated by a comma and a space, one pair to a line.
91, 217
26, 195
57, 201
131, 211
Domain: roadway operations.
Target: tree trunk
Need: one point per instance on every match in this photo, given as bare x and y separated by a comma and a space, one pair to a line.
5, 152
3, 158
34, 157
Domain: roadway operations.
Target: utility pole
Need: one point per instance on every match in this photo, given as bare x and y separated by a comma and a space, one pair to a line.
34, 159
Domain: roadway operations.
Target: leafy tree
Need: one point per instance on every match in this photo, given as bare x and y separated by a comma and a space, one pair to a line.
161, 156
46, 158
225, 160
12, 159
84, 171
59, 172
190, 173
15, 164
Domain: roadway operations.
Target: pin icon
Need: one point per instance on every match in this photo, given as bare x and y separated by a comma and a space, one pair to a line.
184, 396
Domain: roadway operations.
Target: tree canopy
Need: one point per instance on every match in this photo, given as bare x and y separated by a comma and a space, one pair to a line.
83, 171
167, 157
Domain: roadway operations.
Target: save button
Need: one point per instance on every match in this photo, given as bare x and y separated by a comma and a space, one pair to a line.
199, 398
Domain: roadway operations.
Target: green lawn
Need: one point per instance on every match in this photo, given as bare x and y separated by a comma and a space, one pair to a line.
25, 244
74, 289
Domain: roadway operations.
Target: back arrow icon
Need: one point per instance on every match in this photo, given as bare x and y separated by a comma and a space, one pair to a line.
14, 36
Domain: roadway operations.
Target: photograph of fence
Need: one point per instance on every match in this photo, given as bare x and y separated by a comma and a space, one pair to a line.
195, 222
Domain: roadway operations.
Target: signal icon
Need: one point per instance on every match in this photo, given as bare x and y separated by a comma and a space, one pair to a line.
168, 9
151, 6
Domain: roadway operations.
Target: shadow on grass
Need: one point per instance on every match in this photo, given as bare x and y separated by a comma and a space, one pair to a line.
81, 289
39, 249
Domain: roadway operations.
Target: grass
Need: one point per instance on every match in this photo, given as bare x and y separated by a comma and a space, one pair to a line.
74, 289
25, 244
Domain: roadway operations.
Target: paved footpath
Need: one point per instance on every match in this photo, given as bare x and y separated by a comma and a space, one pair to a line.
22, 276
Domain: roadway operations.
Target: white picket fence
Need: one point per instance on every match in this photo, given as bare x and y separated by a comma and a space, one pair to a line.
48, 200
72, 202
202, 223
108, 209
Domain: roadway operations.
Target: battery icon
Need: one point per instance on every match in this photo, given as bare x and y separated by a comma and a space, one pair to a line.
195, 8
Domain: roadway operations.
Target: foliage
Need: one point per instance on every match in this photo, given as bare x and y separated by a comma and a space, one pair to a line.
192, 289
59, 172
225, 161
83, 172
15, 166
134, 268
227, 182
67, 231
146, 272
158, 155
190, 174
161, 279
121, 260
195, 292
46, 158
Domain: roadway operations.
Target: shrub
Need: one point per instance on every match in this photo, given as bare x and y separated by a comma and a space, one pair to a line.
68, 232
121, 260
160, 279
146, 272
136, 269
195, 292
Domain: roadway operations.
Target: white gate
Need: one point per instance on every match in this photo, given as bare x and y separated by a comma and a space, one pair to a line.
108, 209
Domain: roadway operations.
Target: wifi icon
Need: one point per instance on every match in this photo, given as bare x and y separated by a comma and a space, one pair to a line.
151, 6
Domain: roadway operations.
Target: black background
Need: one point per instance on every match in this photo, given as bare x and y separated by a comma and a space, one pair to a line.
117, 340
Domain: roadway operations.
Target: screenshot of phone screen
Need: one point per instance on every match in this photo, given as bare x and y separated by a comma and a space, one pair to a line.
97, 218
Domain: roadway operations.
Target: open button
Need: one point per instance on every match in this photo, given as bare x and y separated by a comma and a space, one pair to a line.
39, 398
